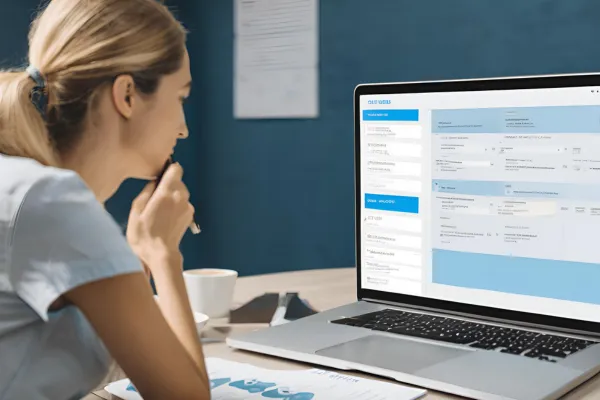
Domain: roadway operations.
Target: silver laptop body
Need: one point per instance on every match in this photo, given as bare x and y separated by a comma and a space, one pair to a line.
478, 268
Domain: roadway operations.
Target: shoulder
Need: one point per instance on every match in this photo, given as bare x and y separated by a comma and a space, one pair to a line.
60, 236
21, 170
24, 178
47, 200
55, 207
34, 196
53, 210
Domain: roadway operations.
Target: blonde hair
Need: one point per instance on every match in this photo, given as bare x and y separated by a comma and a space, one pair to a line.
79, 47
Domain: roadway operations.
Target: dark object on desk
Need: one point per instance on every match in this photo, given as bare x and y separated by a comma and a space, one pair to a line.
297, 308
259, 310
269, 306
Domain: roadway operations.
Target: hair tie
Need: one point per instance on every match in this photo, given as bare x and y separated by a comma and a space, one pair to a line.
38, 94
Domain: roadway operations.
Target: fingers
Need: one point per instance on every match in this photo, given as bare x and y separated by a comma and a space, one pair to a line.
181, 193
187, 217
172, 195
140, 202
172, 176
171, 184
190, 212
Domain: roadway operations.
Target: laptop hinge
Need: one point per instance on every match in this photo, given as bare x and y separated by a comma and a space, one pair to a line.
483, 318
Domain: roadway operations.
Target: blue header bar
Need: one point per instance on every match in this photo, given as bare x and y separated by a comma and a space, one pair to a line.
391, 115
383, 202
518, 120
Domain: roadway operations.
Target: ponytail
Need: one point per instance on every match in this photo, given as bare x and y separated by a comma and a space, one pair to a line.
23, 132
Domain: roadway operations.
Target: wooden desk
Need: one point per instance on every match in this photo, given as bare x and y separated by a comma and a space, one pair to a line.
324, 289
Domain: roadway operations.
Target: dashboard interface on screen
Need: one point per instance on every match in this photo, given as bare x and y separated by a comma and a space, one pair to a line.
488, 197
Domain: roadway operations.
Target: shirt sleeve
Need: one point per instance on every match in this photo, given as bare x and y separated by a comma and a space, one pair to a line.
62, 238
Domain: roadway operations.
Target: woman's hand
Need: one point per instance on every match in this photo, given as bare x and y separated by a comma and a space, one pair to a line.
159, 218
157, 222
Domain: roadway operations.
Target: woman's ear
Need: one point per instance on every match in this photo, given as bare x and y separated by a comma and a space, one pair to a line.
123, 95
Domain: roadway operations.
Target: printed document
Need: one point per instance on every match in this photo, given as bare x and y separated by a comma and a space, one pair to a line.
236, 381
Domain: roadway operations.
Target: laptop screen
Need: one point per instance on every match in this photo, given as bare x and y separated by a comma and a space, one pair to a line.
490, 198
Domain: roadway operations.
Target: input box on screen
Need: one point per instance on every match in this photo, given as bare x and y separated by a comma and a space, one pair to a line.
393, 131
395, 185
391, 270
393, 256
387, 221
385, 167
394, 149
394, 239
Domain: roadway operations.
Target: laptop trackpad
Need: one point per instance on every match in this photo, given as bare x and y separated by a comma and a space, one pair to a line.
390, 353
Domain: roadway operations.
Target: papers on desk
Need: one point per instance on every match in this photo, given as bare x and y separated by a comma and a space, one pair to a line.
237, 381
276, 57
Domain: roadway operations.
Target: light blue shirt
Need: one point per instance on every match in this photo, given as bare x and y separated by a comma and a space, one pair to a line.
54, 236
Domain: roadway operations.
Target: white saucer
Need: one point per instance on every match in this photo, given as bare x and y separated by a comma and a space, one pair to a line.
199, 318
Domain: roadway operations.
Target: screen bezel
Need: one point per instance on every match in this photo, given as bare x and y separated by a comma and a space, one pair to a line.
510, 83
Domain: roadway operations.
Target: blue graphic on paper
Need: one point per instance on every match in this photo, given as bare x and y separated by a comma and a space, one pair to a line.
252, 385
215, 383
255, 386
287, 394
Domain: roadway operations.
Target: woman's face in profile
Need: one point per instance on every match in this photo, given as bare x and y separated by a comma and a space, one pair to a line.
159, 123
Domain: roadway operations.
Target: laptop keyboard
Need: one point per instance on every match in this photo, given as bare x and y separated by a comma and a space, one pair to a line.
481, 336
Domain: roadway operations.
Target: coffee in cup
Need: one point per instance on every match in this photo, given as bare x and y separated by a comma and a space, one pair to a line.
206, 272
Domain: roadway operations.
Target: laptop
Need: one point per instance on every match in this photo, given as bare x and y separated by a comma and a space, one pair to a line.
477, 250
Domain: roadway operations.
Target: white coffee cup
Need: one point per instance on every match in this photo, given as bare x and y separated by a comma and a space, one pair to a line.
210, 290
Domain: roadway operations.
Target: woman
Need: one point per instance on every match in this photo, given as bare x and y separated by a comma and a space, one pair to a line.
101, 101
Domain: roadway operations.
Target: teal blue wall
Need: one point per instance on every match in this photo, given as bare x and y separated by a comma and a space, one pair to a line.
14, 27
278, 195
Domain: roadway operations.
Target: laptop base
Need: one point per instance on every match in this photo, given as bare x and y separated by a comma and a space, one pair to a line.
473, 373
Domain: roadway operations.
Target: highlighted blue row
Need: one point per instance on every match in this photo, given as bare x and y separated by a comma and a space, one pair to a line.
518, 120
518, 189
383, 202
555, 279
390, 115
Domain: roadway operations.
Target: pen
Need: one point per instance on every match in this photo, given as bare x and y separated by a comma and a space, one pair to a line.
193, 227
